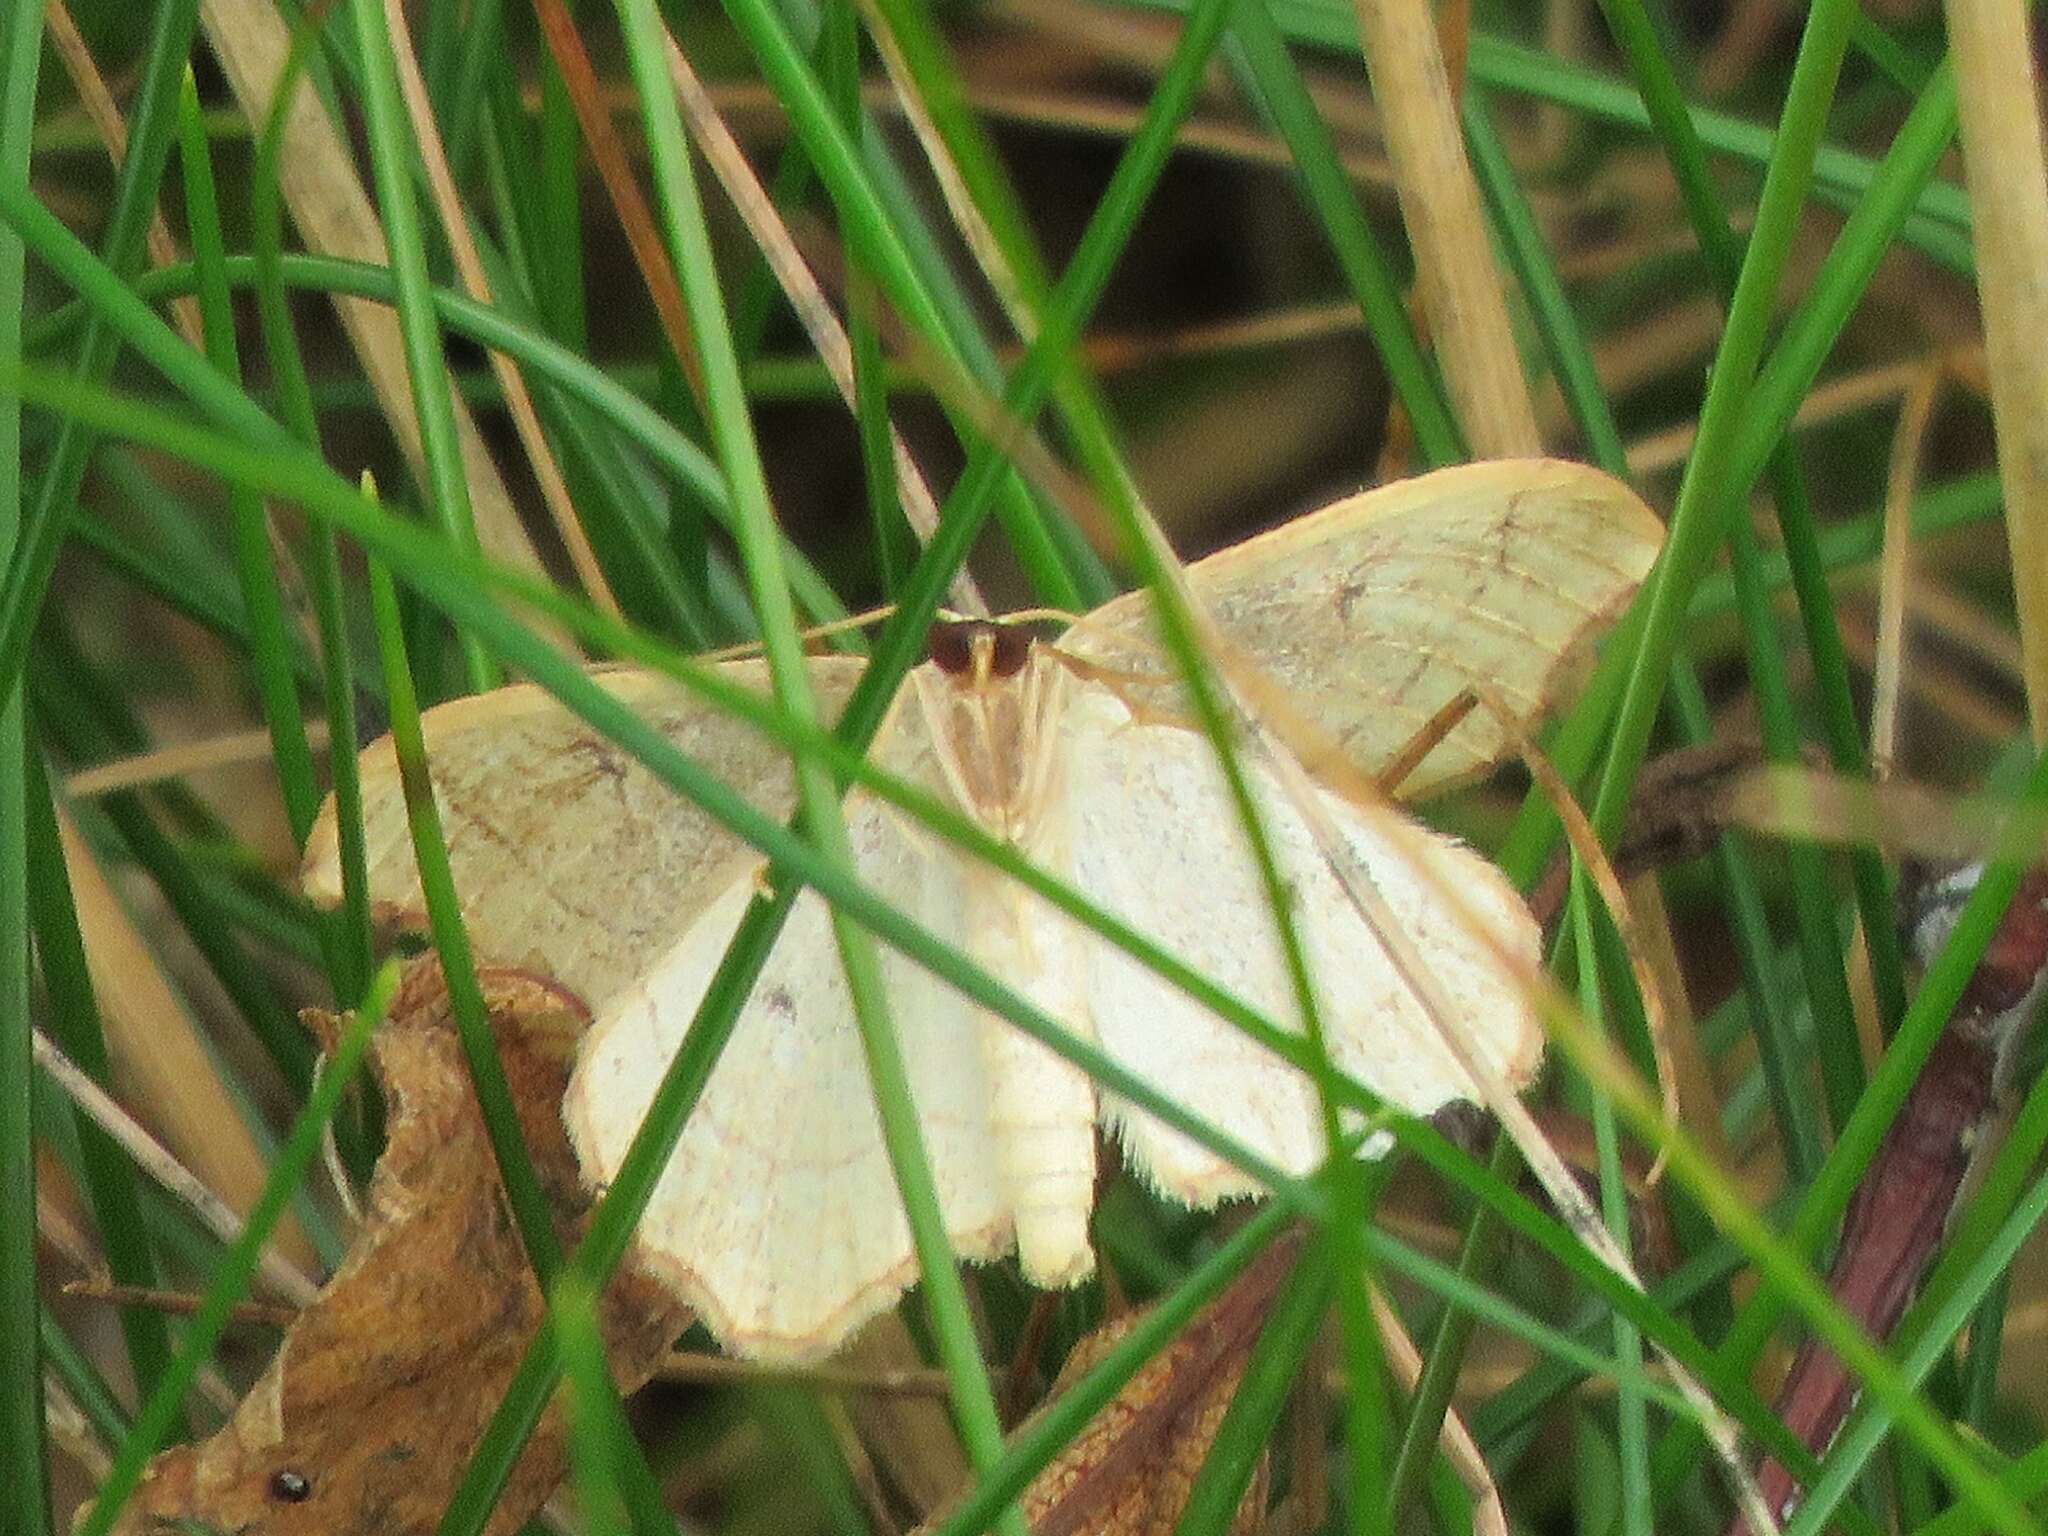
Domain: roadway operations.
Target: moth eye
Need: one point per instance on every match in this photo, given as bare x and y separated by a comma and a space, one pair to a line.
1013, 649
289, 1487
950, 644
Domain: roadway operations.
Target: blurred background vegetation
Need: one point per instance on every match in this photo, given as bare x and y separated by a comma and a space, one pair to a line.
1261, 345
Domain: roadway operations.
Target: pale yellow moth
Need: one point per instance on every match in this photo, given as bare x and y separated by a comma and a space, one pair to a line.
778, 1217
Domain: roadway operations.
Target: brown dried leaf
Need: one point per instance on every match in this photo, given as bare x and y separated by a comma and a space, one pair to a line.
365, 1420
1130, 1471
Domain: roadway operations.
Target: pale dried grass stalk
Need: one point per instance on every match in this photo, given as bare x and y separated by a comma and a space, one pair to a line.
1459, 283
106, 118
335, 217
981, 240
813, 310
914, 1438
1938, 608
1828, 401
1692, 1075
155, 1046
182, 760
2007, 175
154, 1159
554, 490
1902, 479
1489, 1514
1951, 693
1638, 944
696, 1368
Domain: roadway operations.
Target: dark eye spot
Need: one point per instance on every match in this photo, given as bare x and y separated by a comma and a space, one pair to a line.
949, 643
289, 1487
1013, 649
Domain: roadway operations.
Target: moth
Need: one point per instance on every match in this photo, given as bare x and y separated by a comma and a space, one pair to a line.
777, 1218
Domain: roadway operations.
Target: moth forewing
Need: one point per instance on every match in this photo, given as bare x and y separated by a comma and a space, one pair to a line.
570, 856
1374, 611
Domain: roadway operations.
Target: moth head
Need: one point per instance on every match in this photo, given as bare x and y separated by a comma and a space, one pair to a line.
979, 652
989, 695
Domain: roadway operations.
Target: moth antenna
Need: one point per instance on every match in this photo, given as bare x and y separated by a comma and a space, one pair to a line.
1044, 616
862, 620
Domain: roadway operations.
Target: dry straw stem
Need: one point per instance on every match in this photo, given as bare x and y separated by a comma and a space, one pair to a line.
1489, 1514
112, 128
1902, 478
183, 760
1940, 609
469, 266
696, 1368
757, 211
967, 217
336, 218
753, 107
1459, 283
2004, 169
1951, 693
155, 1047
913, 1438
1829, 401
1639, 943
1691, 1084
153, 1159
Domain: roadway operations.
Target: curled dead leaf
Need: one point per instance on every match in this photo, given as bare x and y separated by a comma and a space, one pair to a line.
1129, 1473
365, 1419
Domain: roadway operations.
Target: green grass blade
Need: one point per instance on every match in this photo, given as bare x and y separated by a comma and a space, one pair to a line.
818, 794
451, 940
1076, 396
1705, 498
152, 125
392, 156
1269, 77
1632, 1450
1795, 362
347, 940
1270, 1375
604, 1456
1725, 260
23, 1452
262, 603
1827, 977
883, 247
1931, 1340
95, 1399
75, 1026
252, 991
1782, 1058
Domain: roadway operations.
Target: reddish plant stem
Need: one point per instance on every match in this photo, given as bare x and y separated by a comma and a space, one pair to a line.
1896, 1220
